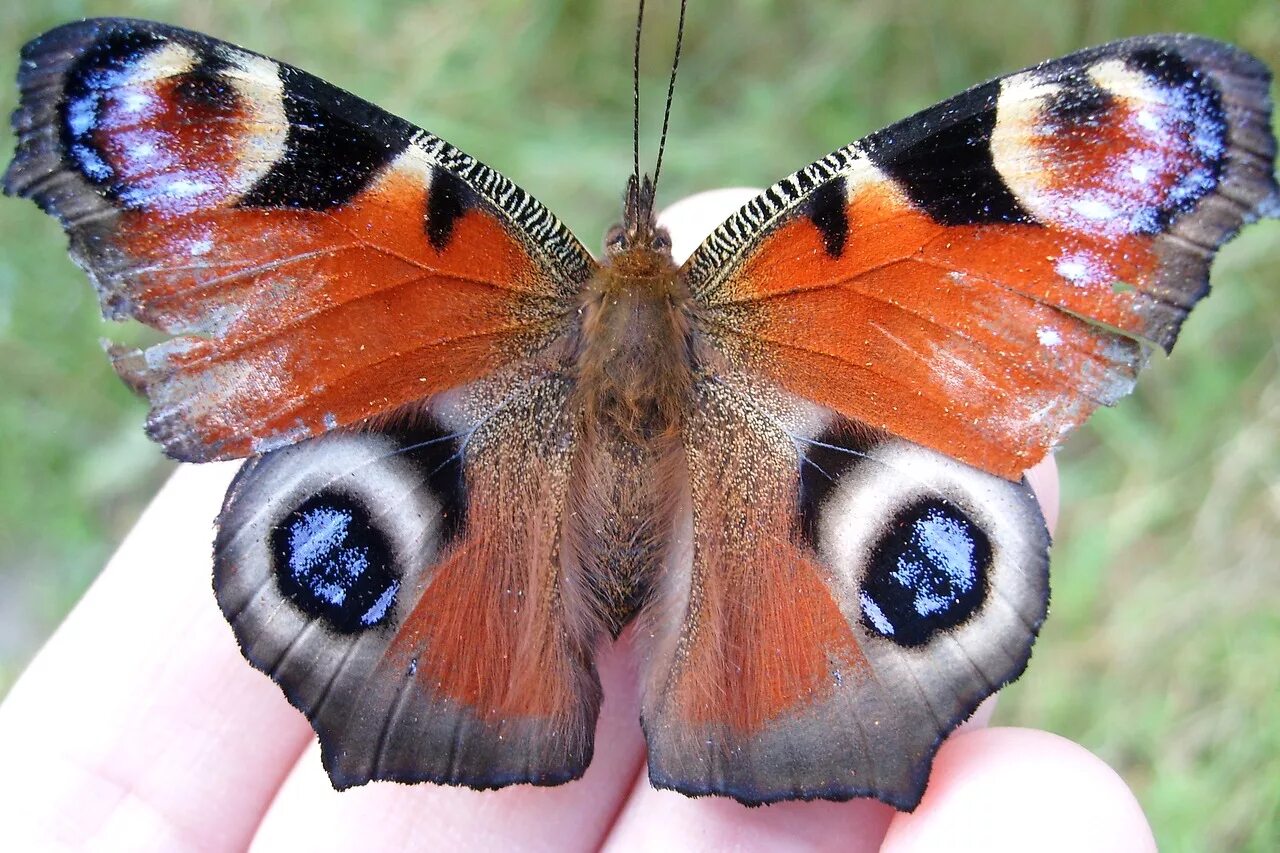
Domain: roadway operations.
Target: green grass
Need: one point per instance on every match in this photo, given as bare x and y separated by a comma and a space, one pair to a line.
1160, 653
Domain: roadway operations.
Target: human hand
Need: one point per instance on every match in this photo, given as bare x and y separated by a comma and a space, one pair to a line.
139, 726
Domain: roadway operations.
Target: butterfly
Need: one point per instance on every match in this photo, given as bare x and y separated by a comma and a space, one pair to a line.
474, 451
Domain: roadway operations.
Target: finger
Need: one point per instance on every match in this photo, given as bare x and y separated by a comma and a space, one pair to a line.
691, 219
139, 726
1043, 478
1021, 789
665, 820
309, 814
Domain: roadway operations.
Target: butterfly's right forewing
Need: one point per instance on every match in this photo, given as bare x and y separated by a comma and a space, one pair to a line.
316, 260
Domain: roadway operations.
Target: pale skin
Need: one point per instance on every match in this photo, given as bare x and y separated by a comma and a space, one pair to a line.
140, 727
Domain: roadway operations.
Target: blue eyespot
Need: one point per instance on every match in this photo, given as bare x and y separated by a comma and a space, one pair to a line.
333, 562
927, 574
101, 68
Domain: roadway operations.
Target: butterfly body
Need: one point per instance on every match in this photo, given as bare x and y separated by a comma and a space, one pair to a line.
636, 361
475, 452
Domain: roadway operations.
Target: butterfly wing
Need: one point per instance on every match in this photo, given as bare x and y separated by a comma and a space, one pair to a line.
845, 599
982, 276
407, 588
250, 211
904, 326
324, 268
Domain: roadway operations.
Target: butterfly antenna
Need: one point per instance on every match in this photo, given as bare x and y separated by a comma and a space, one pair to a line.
635, 98
671, 90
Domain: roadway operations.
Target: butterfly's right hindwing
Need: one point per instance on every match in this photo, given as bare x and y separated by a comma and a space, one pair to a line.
407, 588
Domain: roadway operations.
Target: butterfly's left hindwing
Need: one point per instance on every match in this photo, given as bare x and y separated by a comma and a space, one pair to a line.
316, 260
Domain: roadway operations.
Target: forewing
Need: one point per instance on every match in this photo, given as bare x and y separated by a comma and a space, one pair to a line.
407, 589
316, 260
844, 599
980, 277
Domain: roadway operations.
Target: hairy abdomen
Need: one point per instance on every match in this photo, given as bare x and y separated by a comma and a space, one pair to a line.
634, 380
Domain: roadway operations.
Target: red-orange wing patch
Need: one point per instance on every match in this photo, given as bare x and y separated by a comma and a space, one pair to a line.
762, 630
317, 260
982, 276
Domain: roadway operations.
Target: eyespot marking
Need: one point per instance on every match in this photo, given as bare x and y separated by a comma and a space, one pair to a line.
106, 65
1122, 145
335, 564
928, 573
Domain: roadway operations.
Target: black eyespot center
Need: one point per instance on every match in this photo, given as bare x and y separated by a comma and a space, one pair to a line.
335, 563
927, 573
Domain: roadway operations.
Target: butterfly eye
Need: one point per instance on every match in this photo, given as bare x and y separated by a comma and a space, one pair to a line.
927, 573
923, 540
661, 241
615, 240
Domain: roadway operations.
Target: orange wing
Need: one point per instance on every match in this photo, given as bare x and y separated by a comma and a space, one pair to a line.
320, 265
982, 276
317, 260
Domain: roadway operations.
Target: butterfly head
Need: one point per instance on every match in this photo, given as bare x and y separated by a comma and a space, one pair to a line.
638, 238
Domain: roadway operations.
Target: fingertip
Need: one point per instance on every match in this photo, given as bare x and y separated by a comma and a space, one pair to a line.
139, 726
1021, 789
694, 217
1043, 477
655, 819
981, 716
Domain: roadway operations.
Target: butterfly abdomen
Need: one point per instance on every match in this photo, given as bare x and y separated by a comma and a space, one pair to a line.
634, 388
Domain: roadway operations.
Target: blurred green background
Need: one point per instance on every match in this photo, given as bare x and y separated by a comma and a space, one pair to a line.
1162, 652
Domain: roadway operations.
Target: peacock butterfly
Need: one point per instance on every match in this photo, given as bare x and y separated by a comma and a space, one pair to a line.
474, 450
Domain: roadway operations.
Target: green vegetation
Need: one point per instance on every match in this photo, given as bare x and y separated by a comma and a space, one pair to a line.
1160, 653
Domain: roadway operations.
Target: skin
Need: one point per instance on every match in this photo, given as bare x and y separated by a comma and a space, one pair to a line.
140, 727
